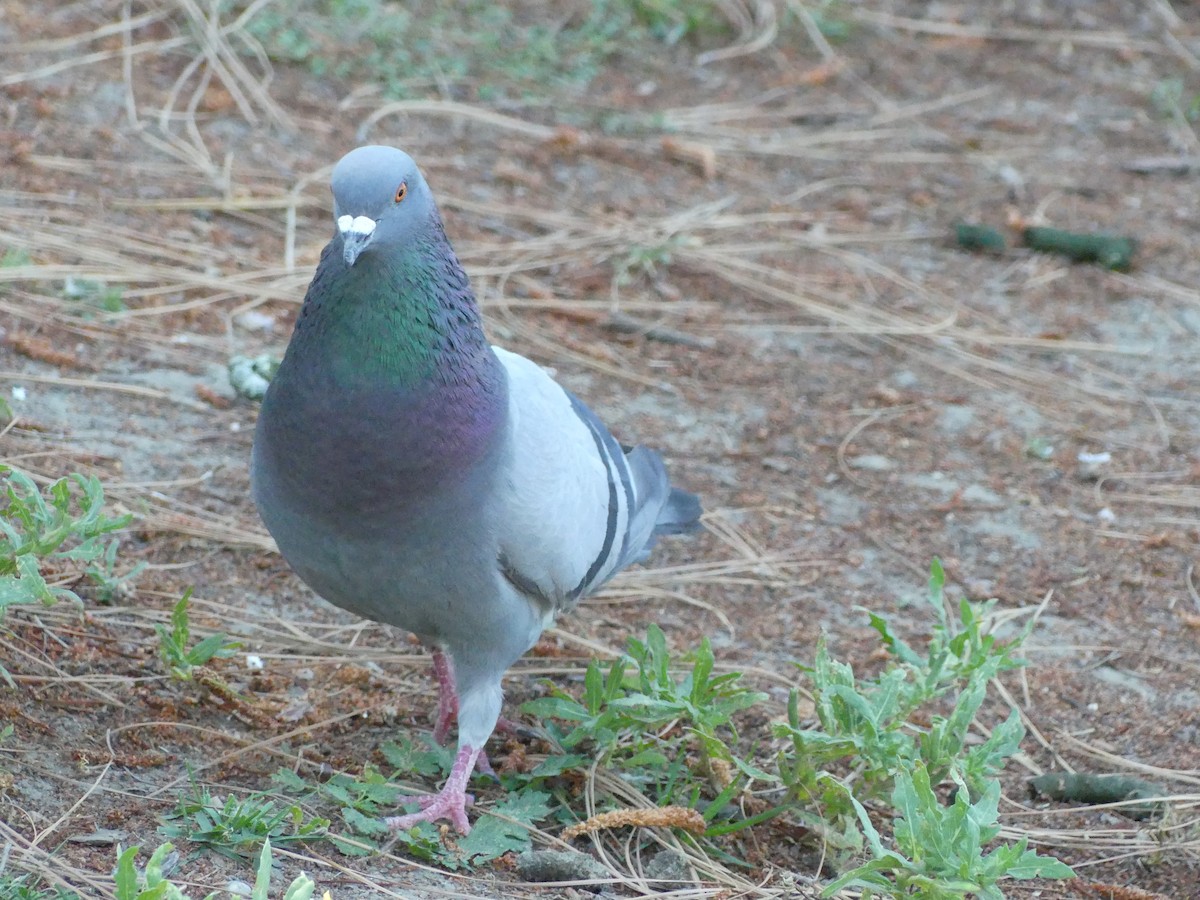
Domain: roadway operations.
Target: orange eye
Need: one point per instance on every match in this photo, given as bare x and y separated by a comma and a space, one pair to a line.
402, 191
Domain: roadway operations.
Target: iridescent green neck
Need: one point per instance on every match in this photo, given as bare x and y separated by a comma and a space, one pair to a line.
407, 319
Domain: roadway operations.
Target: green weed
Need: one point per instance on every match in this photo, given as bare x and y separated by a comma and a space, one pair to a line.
870, 720
153, 884
830, 19
1171, 100
365, 799
869, 724
670, 21
301, 888
482, 47
26, 887
647, 260
941, 850
641, 720
13, 258
95, 294
905, 809
54, 536
228, 826
173, 647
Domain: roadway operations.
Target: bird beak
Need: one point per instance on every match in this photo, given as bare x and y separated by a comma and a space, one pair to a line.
356, 235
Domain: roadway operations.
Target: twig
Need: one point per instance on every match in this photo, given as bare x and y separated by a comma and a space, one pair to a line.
623, 324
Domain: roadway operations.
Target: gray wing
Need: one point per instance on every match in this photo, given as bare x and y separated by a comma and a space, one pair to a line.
578, 507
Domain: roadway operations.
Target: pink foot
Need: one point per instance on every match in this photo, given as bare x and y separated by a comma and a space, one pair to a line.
450, 804
447, 711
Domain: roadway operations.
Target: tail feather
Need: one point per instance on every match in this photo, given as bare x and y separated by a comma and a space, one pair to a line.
680, 514
661, 509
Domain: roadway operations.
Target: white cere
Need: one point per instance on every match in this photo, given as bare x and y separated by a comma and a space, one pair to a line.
356, 225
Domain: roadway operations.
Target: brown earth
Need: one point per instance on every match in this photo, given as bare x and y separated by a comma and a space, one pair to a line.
850, 393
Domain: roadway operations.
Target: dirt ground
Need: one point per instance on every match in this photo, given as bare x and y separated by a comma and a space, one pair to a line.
850, 393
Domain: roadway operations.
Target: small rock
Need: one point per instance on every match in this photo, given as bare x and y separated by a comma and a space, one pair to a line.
559, 865
956, 418
1127, 681
253, 320
978, 495
102, 837
979, 589
871, 462
777, 464
670, 865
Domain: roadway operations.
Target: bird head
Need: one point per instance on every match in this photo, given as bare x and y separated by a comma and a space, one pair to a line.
379, 199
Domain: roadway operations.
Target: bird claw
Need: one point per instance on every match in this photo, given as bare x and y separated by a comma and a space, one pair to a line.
450, 804
430, 801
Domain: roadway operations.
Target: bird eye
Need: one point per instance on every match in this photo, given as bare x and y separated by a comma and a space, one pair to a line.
402, 191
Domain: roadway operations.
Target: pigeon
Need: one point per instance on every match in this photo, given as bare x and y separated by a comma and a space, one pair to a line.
413, 474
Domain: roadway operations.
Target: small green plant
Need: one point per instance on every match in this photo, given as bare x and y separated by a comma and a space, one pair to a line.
870, 720
1171, 100
232, 826
670, 21
173, 644
301, 888
412, 48
47, 534
869, 723
95, 294
364, 800
13, 258
26, 887
940, 850
830, 20
361, 801
153, 884
639, 718
907, 809
646, 260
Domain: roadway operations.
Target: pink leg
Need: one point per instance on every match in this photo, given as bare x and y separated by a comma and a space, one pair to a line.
450, 804
447, 711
